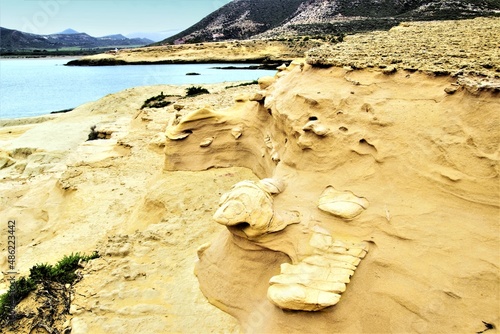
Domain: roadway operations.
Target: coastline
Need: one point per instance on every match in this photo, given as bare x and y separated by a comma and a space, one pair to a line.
242, 52
113, 80
264, 62
39, 57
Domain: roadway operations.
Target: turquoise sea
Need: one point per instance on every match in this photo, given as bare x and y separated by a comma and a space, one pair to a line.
32, 87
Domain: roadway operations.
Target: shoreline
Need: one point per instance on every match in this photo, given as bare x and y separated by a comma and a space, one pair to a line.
241, 52
264, 62
33, 111
40, 57
51, 115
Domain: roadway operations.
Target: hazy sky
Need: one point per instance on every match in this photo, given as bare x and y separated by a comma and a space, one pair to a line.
104, 17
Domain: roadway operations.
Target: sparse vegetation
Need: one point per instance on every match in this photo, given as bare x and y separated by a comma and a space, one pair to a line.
63, 272
194, 91
18, 290
51, 278
255, 82
93, 135
158, 101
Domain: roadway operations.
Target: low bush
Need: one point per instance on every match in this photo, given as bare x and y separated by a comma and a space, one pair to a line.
158, 101
194, 91
18, 290
255, 82
63, 273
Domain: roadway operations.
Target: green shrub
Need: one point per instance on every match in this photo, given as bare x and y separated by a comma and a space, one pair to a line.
17, 292
158, 101
63, 272
42, 272
194, 91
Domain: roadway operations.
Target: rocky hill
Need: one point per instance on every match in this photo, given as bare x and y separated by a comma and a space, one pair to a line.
14, 40
243, 19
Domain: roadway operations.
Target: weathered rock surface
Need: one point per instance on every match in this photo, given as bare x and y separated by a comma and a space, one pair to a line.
427, 162
317, 281
343, 204
248, 210
112, 195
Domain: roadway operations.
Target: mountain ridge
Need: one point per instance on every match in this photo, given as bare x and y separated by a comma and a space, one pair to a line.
14, 40
247, 19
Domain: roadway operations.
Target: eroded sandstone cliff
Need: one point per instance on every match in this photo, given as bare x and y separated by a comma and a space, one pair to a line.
425, 160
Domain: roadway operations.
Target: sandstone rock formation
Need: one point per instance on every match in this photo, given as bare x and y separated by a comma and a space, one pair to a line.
318, 280
418, 154
248, 211
415, 168
343, 204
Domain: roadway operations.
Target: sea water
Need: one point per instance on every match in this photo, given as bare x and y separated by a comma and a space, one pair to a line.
33, 87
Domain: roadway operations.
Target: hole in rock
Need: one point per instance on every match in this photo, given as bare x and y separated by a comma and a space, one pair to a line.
241, 226
343, 129
313, 118
366, 147
269, 111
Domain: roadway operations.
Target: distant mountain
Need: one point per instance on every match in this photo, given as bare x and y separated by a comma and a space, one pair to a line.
117, 37
154, 36
14, 40
68, 32
243, 19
